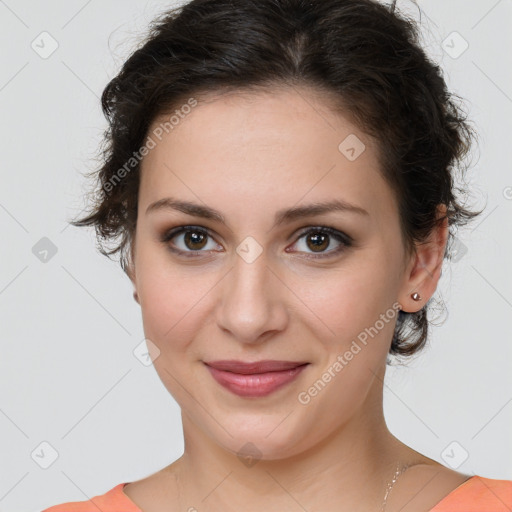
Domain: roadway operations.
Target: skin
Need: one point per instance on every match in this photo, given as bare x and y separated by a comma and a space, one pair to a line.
248, 156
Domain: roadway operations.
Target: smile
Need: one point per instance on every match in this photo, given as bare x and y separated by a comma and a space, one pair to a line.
253, 384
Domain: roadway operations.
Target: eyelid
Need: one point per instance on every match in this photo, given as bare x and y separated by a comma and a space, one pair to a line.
342, 237
326, 229
345, 240
168, 235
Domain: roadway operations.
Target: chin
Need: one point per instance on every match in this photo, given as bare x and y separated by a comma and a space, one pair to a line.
255, 440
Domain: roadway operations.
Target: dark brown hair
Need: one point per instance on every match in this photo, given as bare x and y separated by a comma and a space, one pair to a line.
361, 52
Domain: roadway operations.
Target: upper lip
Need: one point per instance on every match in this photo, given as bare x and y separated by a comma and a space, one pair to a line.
254, 367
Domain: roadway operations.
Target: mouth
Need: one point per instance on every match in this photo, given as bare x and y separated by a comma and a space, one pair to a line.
255, 379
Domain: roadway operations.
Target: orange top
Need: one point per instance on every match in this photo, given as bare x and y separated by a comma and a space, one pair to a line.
476, 494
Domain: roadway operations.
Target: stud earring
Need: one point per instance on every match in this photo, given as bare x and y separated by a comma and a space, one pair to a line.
416, 296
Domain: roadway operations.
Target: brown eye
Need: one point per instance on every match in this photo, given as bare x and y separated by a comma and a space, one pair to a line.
189, 241
318, 240
195, 240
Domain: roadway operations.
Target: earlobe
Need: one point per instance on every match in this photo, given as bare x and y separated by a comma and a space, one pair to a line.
425, 270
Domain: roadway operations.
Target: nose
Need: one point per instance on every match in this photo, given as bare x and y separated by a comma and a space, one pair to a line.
252, 305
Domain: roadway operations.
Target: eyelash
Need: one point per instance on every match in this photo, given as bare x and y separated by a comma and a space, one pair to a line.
346, 241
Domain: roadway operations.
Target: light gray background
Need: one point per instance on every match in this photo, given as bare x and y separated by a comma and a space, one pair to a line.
69, 326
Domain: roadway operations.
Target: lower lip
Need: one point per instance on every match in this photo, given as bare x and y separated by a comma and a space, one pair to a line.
255, 385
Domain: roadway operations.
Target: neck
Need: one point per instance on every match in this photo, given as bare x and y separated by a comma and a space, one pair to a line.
329, 475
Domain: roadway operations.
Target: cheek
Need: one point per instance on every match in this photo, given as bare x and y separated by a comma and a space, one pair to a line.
172, 314
171, 299
357, 307
345, 302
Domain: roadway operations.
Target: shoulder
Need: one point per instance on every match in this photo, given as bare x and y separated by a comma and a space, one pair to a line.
478, 494
107, 502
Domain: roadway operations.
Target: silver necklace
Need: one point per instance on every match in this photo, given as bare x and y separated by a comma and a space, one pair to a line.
398, 472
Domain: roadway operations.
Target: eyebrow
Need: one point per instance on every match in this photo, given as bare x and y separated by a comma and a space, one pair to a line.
281, 216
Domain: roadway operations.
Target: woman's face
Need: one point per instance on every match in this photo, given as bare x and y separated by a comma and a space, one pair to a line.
263, 285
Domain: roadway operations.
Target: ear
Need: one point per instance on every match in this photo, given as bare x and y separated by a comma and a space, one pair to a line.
424, 268
130, 272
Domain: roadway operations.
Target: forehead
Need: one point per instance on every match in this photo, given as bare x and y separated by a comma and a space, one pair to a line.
284, 144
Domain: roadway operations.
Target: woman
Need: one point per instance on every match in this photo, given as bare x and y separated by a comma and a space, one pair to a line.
279, 173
